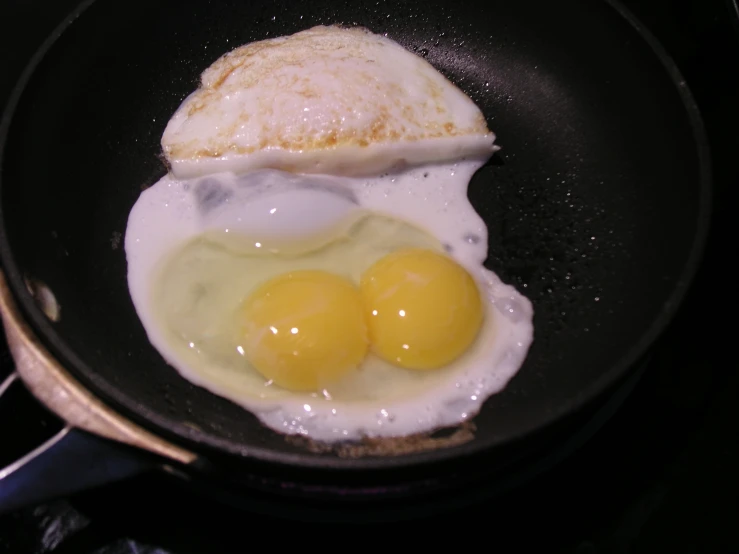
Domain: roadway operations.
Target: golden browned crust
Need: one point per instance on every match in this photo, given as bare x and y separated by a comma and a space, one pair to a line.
256, 61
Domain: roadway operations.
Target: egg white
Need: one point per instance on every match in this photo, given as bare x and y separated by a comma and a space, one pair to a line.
289, 207
327, 100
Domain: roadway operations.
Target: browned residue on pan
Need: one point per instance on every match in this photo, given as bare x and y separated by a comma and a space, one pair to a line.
390, 446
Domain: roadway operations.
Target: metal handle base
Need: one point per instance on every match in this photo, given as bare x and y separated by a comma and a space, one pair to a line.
69, 461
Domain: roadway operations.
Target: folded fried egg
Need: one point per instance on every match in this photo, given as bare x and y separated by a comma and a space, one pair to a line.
326, 100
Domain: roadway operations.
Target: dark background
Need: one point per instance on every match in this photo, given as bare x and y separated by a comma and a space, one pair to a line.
662, 476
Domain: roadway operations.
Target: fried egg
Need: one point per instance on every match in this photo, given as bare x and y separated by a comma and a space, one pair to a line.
333, 288
327, 100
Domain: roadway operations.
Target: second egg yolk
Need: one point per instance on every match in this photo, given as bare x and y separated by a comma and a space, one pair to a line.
423, 309
304, 330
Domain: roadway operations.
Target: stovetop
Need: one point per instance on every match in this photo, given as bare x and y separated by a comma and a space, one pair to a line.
660, 476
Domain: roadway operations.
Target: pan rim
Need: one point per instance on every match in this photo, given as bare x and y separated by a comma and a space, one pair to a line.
198, 440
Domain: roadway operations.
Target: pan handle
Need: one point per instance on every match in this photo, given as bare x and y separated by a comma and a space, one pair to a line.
63, 395
69, 461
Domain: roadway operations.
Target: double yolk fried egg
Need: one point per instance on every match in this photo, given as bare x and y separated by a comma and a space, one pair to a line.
312, 255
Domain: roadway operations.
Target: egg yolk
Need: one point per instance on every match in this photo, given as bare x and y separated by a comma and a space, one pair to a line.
424, 309
304, 330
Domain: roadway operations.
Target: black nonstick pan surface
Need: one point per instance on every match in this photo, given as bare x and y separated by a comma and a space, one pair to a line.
597, 204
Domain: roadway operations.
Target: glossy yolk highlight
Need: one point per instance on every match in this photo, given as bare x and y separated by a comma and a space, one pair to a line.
304, 330
423, 309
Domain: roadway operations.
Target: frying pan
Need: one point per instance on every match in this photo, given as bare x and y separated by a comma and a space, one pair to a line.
597, 208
